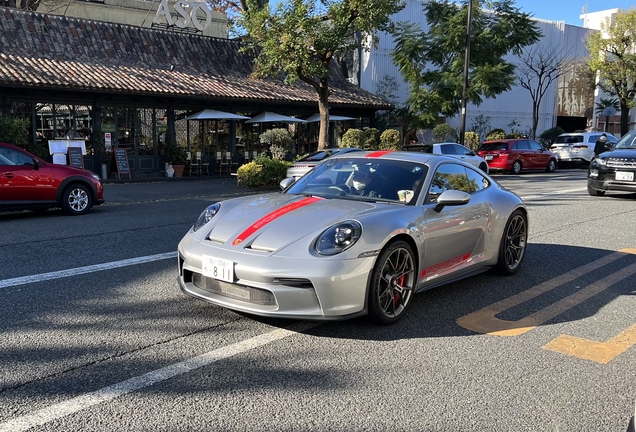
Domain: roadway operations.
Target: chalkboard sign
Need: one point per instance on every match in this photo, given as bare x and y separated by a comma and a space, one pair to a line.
121, 161
75, 157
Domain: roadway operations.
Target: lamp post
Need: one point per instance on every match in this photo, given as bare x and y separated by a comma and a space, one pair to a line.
462, 126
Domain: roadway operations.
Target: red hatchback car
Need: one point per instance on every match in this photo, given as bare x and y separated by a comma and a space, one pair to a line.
515, 155
29, 183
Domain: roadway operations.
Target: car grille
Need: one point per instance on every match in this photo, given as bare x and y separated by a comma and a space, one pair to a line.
234, 291
621, 162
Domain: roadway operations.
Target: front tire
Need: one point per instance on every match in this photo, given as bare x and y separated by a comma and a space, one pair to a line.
76, 200
516, 167
552, 166
594, 192
392, 283
514, 240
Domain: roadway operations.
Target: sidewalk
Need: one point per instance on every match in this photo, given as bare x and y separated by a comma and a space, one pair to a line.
167, 188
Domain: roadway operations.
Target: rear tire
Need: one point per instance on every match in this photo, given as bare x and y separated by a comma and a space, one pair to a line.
516, 167
392, 283
514, 240
76, 199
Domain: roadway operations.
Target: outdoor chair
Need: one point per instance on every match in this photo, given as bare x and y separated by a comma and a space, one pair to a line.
204, 167
192, 166
231, 164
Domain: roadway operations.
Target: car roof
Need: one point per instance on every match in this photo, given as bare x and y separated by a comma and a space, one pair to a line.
407, 156
585, 133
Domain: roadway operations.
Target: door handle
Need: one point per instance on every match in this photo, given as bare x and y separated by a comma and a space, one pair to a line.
8, 175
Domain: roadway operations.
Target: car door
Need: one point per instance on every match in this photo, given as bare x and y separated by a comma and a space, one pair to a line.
466, 155
523, 153
454, 236
20, 181
540, 156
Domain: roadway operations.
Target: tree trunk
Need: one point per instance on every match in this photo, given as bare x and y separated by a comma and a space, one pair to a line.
323, 108
624, 118
535, 119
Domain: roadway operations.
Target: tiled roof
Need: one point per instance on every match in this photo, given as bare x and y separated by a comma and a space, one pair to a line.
73, 54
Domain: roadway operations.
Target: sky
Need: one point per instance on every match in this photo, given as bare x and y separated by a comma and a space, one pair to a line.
569, 10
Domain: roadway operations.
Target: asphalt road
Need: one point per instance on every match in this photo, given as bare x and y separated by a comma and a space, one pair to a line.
95, 334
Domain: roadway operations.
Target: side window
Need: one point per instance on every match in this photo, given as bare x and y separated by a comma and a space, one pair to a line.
448, 149
11, 157
476, 180
593, 138
461, 150
451, 177
534, 145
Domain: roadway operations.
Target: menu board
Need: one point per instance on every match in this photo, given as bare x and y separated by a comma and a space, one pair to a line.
75, 157
121, 161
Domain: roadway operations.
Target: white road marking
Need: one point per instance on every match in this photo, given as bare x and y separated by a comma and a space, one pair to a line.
83, 270
548, 194
71, 406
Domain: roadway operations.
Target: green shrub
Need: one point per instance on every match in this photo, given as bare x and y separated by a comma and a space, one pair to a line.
549, 136
496, 134
262, 172
279, 141
390, 140
471, 140
352, 138
175, 154
371, 139
444, 132
514, 135
16, 132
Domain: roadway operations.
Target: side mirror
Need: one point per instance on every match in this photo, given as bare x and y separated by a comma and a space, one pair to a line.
36, 165
286, 182
451, 198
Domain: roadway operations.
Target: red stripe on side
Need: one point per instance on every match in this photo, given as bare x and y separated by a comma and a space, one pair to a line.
272, 216
445, 265
377, 154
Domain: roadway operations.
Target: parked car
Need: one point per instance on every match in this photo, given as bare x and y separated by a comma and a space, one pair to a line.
29, 183
320, 250
516, 155
614, 170
454, 150
578, 147
304, 165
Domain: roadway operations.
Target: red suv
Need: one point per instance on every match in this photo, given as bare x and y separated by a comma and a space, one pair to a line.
515, 155
28, 182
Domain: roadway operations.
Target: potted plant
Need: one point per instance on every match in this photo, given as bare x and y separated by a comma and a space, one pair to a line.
177, 157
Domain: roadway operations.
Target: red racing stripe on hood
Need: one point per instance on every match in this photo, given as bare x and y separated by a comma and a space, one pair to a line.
377, 154
273, 215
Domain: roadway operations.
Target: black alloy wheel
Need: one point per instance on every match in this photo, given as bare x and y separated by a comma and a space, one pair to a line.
392, 283
514, 240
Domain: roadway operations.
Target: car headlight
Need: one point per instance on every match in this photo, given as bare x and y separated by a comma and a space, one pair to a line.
338, 238
96, 177
206, 216
601, 162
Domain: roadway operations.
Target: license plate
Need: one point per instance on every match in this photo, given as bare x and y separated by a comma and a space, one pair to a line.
627, 176
488, 157
218, 268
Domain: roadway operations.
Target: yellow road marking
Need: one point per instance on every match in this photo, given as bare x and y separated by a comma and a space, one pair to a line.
485, 321
600, 352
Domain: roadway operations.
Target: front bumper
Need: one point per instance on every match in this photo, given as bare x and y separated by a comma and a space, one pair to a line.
605, 180
317, 288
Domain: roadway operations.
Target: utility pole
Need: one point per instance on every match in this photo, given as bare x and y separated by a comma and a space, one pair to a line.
462, 126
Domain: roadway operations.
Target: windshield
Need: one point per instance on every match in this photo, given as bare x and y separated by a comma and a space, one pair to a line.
363, 179
627, 141
318, 156
569, 139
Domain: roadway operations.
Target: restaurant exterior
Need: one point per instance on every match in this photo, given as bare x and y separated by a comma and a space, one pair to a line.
122, 86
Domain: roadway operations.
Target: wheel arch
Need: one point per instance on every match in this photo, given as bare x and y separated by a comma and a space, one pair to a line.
76, 179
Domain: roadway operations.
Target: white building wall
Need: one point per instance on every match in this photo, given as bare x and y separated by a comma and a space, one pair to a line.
514, 105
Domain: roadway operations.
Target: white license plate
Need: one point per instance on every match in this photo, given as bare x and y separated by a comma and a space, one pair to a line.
488, 157
627, 176
218, 268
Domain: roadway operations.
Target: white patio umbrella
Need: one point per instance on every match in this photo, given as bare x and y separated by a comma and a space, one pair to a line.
270, 117
316, 118
210, 114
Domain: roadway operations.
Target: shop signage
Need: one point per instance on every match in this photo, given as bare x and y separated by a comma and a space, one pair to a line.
186, 17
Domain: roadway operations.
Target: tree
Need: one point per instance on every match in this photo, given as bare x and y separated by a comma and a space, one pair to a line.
432, 62
612, 54
540, 66
299, 40
608, 107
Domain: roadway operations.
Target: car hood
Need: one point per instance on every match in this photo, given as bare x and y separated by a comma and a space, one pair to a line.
620, 153
270, 222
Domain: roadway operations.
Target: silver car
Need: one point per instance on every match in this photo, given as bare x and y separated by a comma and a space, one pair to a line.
324, 248
304, 165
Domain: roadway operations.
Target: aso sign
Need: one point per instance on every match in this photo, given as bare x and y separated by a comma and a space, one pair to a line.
188, 14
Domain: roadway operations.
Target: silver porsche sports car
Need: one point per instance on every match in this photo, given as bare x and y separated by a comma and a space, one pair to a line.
358, 235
